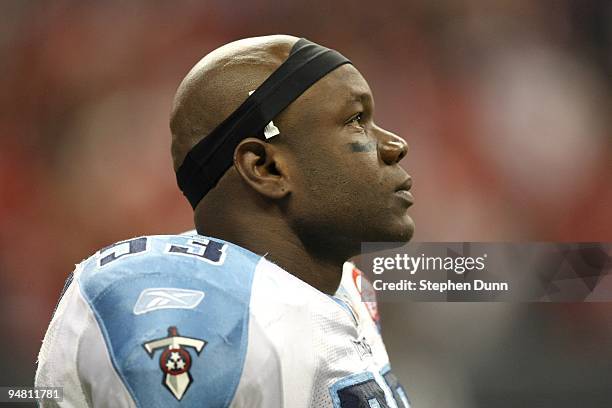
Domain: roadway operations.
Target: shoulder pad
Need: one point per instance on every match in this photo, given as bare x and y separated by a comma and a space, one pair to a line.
174, 314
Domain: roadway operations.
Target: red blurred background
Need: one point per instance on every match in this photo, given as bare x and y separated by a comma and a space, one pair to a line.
506, 106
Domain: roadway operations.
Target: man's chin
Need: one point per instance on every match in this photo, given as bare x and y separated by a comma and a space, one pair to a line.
408, 228
402, 231
399, 232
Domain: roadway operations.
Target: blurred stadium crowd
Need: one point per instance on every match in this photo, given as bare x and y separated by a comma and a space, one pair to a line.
506, 106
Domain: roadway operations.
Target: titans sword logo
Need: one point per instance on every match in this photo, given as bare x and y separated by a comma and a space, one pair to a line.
175, 360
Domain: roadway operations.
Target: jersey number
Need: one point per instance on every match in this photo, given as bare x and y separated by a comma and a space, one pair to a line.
120, 249
369, 394
204, 249
207, 250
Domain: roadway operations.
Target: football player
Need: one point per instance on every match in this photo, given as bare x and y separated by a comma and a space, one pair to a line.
273, 138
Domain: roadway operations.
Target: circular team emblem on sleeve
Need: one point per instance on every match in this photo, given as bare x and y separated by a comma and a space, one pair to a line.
175, 361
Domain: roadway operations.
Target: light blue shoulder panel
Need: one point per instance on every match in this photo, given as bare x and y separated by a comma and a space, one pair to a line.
153, 294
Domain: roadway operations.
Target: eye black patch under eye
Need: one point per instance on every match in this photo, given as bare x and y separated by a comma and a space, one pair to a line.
357, 147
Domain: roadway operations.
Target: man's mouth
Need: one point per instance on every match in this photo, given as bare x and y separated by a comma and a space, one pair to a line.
404, 193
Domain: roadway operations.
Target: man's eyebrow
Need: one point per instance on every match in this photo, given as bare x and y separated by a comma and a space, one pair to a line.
360, 96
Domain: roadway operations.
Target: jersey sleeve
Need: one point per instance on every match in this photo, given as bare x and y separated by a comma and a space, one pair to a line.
73, 356
152, 322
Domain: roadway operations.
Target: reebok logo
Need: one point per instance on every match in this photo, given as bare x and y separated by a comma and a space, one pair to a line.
167, 298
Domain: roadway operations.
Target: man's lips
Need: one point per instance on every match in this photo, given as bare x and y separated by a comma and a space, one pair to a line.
403, 191
405, 195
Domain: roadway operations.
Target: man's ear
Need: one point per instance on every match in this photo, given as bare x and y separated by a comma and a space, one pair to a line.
261, 166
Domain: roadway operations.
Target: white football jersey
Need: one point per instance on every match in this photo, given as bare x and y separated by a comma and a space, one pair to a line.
192, 321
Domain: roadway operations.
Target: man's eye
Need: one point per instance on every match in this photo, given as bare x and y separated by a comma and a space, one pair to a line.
356, 119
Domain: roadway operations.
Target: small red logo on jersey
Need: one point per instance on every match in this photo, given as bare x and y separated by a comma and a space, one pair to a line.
368, 294
175, 361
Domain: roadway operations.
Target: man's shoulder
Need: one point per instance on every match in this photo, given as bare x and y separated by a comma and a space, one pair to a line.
151, 248
189, 293
186, 259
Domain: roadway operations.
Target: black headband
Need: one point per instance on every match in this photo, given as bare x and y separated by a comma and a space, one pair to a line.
208, 160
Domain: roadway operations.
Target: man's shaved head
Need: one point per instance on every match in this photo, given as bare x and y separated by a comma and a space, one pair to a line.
219, 83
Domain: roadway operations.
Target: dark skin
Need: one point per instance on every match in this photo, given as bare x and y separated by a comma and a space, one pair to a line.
310, 196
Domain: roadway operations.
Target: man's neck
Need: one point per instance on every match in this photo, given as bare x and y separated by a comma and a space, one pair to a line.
270, 236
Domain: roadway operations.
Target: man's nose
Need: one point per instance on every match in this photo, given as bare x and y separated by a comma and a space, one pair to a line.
392, 148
